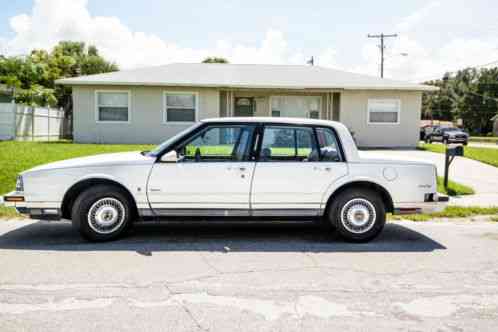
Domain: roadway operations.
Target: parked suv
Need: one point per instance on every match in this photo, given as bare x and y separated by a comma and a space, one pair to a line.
448, 135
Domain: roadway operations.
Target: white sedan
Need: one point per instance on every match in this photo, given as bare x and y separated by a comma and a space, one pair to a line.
232, 169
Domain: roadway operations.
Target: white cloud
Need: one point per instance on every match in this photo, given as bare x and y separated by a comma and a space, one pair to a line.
415, 18
53, 20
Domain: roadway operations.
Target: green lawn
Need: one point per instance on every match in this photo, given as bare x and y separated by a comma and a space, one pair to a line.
226, 150
485, 155
451, 212
19, 156
454, 188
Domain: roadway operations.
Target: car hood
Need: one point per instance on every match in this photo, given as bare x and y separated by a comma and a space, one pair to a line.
454, 133
100, 160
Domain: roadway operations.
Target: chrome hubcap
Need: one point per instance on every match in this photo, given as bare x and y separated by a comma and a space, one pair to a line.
358, 215
106, 215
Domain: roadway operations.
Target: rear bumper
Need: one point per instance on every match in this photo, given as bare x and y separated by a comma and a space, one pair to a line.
438, 204
35, 210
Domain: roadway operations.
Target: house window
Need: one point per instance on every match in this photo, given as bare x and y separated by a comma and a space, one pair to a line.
275, 113
180, 107
384, 111
296, 106
112, 106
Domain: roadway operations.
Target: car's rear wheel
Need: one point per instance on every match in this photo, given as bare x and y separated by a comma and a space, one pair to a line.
358, 214
102, 213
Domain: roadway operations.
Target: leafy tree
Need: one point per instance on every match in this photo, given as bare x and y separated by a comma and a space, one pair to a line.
438, 105
469, 94
33, 76
215, 59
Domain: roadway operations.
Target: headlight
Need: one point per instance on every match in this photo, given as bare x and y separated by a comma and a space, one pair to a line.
19, 183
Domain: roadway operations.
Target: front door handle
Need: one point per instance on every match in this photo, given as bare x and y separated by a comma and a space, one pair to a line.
241, 168
325, 169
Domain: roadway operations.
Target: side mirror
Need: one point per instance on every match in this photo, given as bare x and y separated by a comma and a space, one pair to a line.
170, 157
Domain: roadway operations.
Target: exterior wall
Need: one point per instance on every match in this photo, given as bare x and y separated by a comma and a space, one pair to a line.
354, 114
146, 115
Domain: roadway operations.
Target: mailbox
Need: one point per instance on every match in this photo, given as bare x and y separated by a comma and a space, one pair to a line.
456, 151
451, 153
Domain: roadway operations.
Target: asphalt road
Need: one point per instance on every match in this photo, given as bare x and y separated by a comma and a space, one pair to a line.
416, 276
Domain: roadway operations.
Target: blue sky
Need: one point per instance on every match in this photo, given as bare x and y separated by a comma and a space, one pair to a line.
437, 35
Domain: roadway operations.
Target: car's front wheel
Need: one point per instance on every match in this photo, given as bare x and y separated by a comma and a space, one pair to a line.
102, 213
358, 214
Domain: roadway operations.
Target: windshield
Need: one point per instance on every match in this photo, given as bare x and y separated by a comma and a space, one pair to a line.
169, 141
451, 129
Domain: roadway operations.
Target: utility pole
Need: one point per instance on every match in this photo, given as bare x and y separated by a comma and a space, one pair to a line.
382, 47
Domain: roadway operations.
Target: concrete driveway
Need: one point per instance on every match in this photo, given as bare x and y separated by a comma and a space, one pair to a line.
482, 177
416, 276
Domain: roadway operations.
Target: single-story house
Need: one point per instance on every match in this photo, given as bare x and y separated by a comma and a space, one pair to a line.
149, 105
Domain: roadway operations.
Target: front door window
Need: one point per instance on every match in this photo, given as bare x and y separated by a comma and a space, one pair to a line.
218, 143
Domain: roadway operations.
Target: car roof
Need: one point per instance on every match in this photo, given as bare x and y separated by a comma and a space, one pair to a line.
296, 121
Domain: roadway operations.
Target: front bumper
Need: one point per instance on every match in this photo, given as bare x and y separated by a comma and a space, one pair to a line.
437, 204
457, 139
35, 210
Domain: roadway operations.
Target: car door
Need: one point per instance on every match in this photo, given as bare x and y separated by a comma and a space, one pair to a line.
294, 170
212, 176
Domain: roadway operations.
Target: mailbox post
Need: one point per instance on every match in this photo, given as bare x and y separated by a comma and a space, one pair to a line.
451, 153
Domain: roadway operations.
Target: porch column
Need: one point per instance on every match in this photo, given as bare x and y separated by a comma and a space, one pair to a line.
336, 106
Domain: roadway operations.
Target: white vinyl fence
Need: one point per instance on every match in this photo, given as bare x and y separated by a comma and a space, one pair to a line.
25, 123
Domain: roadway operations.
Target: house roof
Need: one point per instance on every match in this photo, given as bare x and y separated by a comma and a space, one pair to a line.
244, 76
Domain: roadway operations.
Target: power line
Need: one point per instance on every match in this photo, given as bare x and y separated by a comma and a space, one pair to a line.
382, 47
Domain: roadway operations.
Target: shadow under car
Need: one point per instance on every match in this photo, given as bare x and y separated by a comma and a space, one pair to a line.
150, 237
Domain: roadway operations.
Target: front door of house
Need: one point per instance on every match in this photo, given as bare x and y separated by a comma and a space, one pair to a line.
244, 106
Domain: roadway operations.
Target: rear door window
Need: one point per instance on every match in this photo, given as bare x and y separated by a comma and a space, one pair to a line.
285, 143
